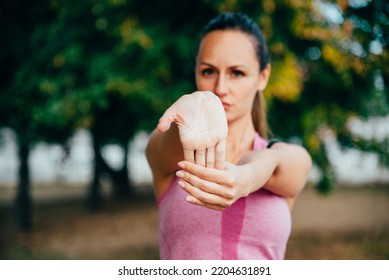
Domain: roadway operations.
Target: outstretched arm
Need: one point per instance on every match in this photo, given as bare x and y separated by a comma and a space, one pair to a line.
283, 170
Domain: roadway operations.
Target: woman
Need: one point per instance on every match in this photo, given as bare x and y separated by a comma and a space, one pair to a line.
209, 153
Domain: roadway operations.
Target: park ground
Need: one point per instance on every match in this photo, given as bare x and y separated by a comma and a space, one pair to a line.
351, 223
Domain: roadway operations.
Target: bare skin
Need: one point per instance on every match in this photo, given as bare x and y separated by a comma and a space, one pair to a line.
217, 164
202, 127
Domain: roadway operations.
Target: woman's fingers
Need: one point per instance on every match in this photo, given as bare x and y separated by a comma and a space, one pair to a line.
206, 173
200, 157
197, 202
207, 157
200, 197
189, 155
207, 186
210, 157
167, 119
220, 154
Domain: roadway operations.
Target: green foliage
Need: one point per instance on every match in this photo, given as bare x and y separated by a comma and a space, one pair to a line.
342, 74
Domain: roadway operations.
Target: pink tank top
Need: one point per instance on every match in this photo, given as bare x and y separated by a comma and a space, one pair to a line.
254, 227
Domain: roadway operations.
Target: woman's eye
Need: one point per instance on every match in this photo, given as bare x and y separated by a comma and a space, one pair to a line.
207, 72
237, 73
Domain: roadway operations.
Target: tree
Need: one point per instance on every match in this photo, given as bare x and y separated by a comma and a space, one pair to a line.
28, 101
340, 51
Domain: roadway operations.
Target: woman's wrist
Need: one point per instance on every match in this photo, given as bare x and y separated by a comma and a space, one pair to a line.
258, 168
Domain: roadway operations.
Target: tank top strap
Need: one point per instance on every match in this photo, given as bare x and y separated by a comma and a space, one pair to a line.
259, 142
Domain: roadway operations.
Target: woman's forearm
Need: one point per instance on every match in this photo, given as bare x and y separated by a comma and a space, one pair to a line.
283, 169
164, 150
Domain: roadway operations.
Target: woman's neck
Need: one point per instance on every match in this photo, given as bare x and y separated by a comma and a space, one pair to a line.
239, 139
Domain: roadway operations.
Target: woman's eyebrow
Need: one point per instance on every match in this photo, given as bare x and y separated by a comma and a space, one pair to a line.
206, 63
233, 66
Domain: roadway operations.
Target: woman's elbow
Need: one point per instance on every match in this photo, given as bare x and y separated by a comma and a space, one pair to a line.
295, 174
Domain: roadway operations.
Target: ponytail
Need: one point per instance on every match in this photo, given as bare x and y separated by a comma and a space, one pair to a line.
258, 113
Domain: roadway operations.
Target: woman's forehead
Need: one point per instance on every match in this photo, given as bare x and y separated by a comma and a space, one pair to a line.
229, 46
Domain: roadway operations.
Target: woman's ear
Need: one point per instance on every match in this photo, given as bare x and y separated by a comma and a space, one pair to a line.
264, 76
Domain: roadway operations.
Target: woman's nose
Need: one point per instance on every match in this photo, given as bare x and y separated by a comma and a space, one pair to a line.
221, 87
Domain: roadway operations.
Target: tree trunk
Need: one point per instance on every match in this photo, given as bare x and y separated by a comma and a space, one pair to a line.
122, 188
95, 197
23, 202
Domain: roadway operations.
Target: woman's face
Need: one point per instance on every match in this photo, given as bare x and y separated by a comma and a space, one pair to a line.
228, 66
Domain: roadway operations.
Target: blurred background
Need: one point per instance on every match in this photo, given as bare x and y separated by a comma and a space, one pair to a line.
83, 83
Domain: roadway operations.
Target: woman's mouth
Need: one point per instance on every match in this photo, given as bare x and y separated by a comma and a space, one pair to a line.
226, 105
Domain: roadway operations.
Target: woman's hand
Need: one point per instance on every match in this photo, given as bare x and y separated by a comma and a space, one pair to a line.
273, 169
212, 188
202, 125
